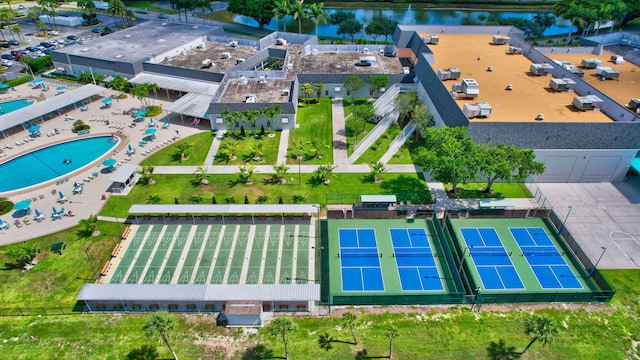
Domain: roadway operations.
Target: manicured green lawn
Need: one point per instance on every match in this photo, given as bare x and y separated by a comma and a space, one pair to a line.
56, 279
403, 156
270, 149
500, 190
168, 155
315, 124
367, 127
150, 6
226, 189
380, 146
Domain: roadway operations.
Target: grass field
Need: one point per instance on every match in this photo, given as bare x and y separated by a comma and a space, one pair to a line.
380, 146
243, 155
226, 188
315, 123
499, 190
168, 155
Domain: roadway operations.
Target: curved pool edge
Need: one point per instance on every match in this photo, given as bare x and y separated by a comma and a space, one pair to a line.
118, 146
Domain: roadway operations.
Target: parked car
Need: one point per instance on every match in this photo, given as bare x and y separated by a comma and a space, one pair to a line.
21, 7
96, 30
14, 42
8, 63
7, 57
47, 51
5, 45
47, 44
31, 48
17, 54
72, 37
162, 16
53, 33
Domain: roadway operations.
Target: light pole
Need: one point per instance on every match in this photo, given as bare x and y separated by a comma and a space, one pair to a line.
595, 267
565, 220
116, 216
464, 253
95, 273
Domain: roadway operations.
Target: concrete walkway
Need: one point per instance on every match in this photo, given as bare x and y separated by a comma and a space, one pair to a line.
340, 157
283, 147
215, 146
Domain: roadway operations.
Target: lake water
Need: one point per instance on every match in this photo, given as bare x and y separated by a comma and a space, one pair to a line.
412, 17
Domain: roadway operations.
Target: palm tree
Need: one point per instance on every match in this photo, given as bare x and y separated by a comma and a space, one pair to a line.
271, 113
299, 11
145, 175
182, 148
204, 5
280, 173
319, 87
350, 320
140, 92
318, 14
307, 89
257, 150
152, 87
251, 116
17, 30
154, 199
501, 351
89, 225
230, 148
281, 327
377, 168
158, 326
391, 334
540, 328
201, 175
317, 147
175, 5
230, 119
281, 10
118, 9
246, 172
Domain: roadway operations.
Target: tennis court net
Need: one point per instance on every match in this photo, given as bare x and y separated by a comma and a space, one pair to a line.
493, 253
542, 253
359, 255
415, 254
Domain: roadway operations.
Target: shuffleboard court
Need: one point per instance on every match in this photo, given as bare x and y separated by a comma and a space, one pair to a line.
415, 260
547, 263
491, 259
359, 260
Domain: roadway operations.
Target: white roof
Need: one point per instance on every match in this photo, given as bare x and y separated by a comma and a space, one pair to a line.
378, 198
49, 105
223, 209
123, 173
192, 104
198, 292
176, 83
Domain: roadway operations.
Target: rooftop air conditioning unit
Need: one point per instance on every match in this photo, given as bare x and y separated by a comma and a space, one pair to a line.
233, 43
501, 40
281, 41
589, 102
590, 63
225, 55
514, 50
243, 80
617, 59
251, 98
262, 80
634, 104
406, 70
365, 50
381, 52
285, 92
314, 51
540, 69
607, 73
433, 39
564, 84
239, 60
289, 66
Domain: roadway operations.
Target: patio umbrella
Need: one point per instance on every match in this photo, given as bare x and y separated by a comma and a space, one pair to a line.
61, 88
150, 131
109, 162
53, 209
130, 148
140, 113
34, 128
38, 81
38, 213
4, 86
106, 101
61, 195
22, 205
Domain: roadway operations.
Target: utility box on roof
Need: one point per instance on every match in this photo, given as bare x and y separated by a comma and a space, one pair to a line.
501, 40
590, 63
589, 102
540, 69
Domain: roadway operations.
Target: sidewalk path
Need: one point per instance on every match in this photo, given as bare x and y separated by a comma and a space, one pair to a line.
340, 157
215, 146
283, 146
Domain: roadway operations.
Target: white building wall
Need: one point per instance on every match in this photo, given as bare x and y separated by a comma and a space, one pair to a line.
597, 165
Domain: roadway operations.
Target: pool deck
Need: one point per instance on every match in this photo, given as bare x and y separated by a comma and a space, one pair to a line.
90, 201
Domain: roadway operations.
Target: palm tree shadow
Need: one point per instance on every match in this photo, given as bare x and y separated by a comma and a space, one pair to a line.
259, 352
364, 354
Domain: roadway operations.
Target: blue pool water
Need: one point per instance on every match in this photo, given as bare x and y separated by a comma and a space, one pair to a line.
13, 105
47, 163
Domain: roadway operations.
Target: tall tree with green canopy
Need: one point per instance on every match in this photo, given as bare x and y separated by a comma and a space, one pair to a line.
22, 254
318, 14
271, 113
250, 116
307, 90
377, 82
88, 11
449, 155
319, 87
230, 118
391, 334
340, 16
158, 326
353, 84
507, 162
376, 27
299, 12
349, 27
118, 9
350, 321
281, 327
259, 10
203, 5
540, 328
282, 8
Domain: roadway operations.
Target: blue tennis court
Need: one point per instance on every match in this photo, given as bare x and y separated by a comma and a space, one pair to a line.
360, 260
416, 262
545, 260
491, 259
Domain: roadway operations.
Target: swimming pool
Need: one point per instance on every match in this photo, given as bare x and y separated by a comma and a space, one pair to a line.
48, 163
13, 105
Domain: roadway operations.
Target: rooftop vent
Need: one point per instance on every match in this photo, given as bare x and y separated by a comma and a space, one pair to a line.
85, 49
243, 80
262, 79
233, 43
365, 50
281, 41
314, 51
225, 55
127, 36
285, 92
118, 56
239, 60
251, 98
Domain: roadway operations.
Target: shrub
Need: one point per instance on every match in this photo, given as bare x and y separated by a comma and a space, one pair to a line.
154, 110
5, 206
